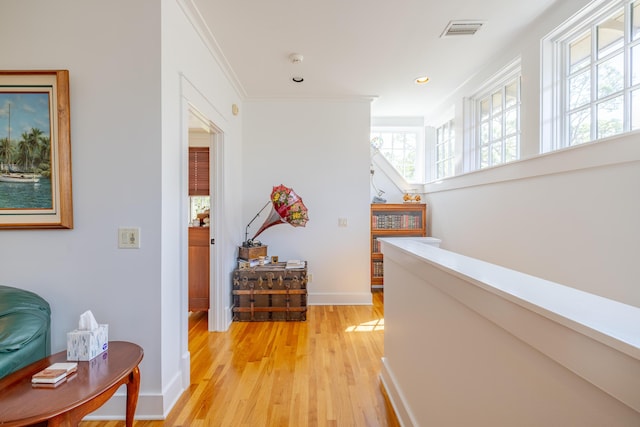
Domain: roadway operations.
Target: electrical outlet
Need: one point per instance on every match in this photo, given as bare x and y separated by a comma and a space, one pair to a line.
342, 222
310, 277
129, 237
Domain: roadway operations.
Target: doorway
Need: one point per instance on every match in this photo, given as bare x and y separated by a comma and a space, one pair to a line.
197, 112
199, 220
205, 140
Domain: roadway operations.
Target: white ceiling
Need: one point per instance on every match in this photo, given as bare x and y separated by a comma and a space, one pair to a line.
355, 48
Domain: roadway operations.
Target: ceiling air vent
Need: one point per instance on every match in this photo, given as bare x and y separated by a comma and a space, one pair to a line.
461, 28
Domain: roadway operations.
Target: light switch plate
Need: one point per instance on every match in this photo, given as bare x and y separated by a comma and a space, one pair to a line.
129, 237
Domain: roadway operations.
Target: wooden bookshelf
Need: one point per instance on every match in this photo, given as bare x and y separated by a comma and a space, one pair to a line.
393, 220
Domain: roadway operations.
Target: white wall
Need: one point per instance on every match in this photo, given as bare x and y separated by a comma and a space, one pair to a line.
129, 144
570, 217
320, 148
577, 227
192, 78
129, 139
113, 60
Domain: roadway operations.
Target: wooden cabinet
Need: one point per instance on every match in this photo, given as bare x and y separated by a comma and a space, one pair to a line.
393, 220
198, 268
198, 171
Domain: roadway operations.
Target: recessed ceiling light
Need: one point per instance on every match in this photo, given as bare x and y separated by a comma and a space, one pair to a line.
422, 80
298, 79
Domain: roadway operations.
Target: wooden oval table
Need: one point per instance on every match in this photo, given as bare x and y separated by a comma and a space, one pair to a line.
23, 404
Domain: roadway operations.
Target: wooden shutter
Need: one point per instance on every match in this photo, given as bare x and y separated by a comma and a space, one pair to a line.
198, 171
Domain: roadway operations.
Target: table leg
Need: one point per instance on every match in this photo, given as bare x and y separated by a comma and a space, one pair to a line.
133, 388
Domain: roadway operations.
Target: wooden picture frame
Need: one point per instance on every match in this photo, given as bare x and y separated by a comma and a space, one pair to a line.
35, 150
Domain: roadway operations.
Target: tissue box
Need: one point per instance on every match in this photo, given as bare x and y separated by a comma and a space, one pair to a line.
85, 345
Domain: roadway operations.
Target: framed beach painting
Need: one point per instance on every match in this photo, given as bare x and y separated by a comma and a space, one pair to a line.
35, 150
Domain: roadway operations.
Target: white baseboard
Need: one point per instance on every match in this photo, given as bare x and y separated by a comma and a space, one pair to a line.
173, 391
186, 369
396, 398
228, 318
150, 406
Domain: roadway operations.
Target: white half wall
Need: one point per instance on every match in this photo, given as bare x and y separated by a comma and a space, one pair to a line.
468, 343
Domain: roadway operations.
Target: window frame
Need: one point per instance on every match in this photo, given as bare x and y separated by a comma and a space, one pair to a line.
420, 158
511, 72
555, 101
447, 140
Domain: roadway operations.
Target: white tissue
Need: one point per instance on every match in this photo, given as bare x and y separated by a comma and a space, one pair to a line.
87, 322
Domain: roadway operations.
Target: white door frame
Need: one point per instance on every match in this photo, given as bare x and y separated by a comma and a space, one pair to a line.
193, 102
217, 283
216, 313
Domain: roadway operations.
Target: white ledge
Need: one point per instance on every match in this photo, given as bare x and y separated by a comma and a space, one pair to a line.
610, 322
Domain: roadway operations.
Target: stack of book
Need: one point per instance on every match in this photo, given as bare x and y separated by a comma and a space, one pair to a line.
243, 263
54, 375
295, 263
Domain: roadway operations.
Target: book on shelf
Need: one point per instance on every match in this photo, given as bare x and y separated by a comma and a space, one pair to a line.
54, 373
378, 268
396, 221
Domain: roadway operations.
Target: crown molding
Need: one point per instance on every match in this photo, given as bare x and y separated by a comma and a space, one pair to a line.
199, 24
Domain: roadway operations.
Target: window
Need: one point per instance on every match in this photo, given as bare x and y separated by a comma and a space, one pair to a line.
497, 120
445, 155
404, 149
598, 69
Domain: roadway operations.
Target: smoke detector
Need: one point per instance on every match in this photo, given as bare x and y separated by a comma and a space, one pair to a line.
296, 58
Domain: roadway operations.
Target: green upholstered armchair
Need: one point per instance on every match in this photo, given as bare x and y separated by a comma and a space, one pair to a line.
25, 329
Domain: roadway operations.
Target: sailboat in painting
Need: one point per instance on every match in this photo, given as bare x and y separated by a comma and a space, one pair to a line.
25, 178
17, 177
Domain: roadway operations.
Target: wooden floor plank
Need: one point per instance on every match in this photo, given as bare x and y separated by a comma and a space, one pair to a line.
319, 373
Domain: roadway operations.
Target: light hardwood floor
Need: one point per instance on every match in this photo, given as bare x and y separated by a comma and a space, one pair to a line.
321, 372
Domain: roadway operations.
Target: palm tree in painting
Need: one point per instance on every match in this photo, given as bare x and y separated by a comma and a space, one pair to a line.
44, 156
25, 153
29, 148
44, 149
34, 145
6, 153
